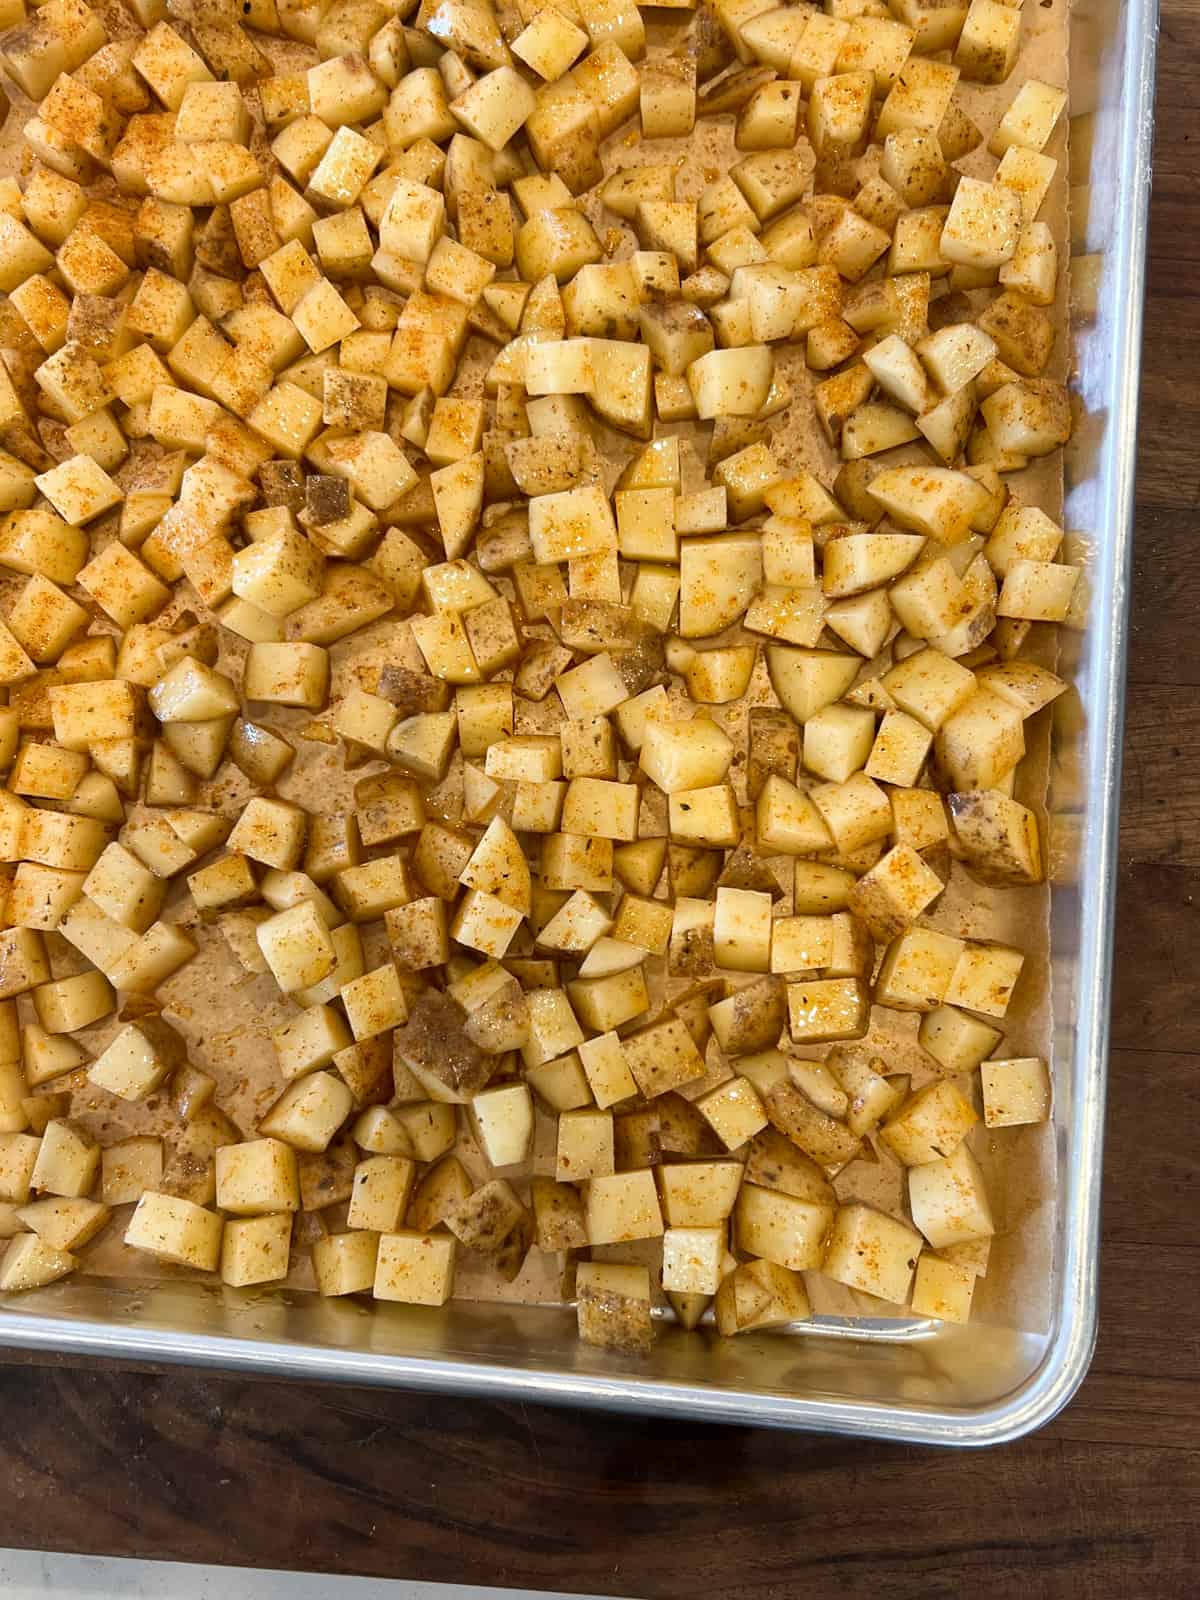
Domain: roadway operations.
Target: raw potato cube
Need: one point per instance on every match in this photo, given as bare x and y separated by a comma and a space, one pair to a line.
930, 1124
957, 1042
18, 1158
949, 1200
614, 1306
989, 41
826, 1009
65, 1224
29, 1262
257, 1177
297, 947
1015, 1092
177, 1230
917, 970
309, 1112
692, 1260
894, 892
622, 1207
139, 1059
503, 1120
759, 1294
734, 1112
415, 1268
381, 1193
942, 1289
607, 1070
585, 1146
984, 978
344, 1263
72, 1003
256, 1249
785, 1228
80, 490
873, 1252
663, 1057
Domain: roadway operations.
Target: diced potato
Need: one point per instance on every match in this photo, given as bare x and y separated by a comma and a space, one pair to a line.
177, 1230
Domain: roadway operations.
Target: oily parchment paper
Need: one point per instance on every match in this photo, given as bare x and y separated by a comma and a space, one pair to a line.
226, 1015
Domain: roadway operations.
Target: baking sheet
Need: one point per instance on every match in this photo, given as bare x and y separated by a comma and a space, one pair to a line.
227, 1015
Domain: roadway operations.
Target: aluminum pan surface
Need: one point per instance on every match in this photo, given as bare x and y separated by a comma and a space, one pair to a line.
970, 1386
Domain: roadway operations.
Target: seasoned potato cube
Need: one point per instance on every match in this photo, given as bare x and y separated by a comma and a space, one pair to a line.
930, 1124
621, 1207
873, 1252
309, 1112
894, 892
415, 1268
297, 947
257, 1177
917, 970
256, 1249
1015, 1092
139, 1059
344, 1263
825, 1009
613, 1306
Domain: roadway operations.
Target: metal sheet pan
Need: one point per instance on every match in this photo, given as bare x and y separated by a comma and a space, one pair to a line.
975, 1385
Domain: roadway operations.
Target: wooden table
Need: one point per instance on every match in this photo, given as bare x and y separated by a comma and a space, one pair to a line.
1105, 1500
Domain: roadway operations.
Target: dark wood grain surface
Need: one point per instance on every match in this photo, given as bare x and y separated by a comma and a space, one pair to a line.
1103, 1502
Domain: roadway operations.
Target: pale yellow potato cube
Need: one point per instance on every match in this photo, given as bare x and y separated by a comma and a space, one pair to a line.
270, 831
734, 1111
374, 1003
801, 943
949, 1199
872, 1252
742, 930
942, 1289
381, 1193
554, 1028
692, 1259
310, 1040
139, 1059
1030, 118
838, 740
297, 947
984, 978
31, 1263
917, 970
18, 1158
698, 1194
604, 1003
65, 1224
894, 892
705, 817
825, 1009
585, 1145
287, 674
344, 1263
68, 1004
989, 41
622, 1207
256, 1249
1015, 1092
415, 1268
607, 1070
930, 1124
176, 1230
79, 490
309, 1112
257, 1177
956, 1041
787, 1229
